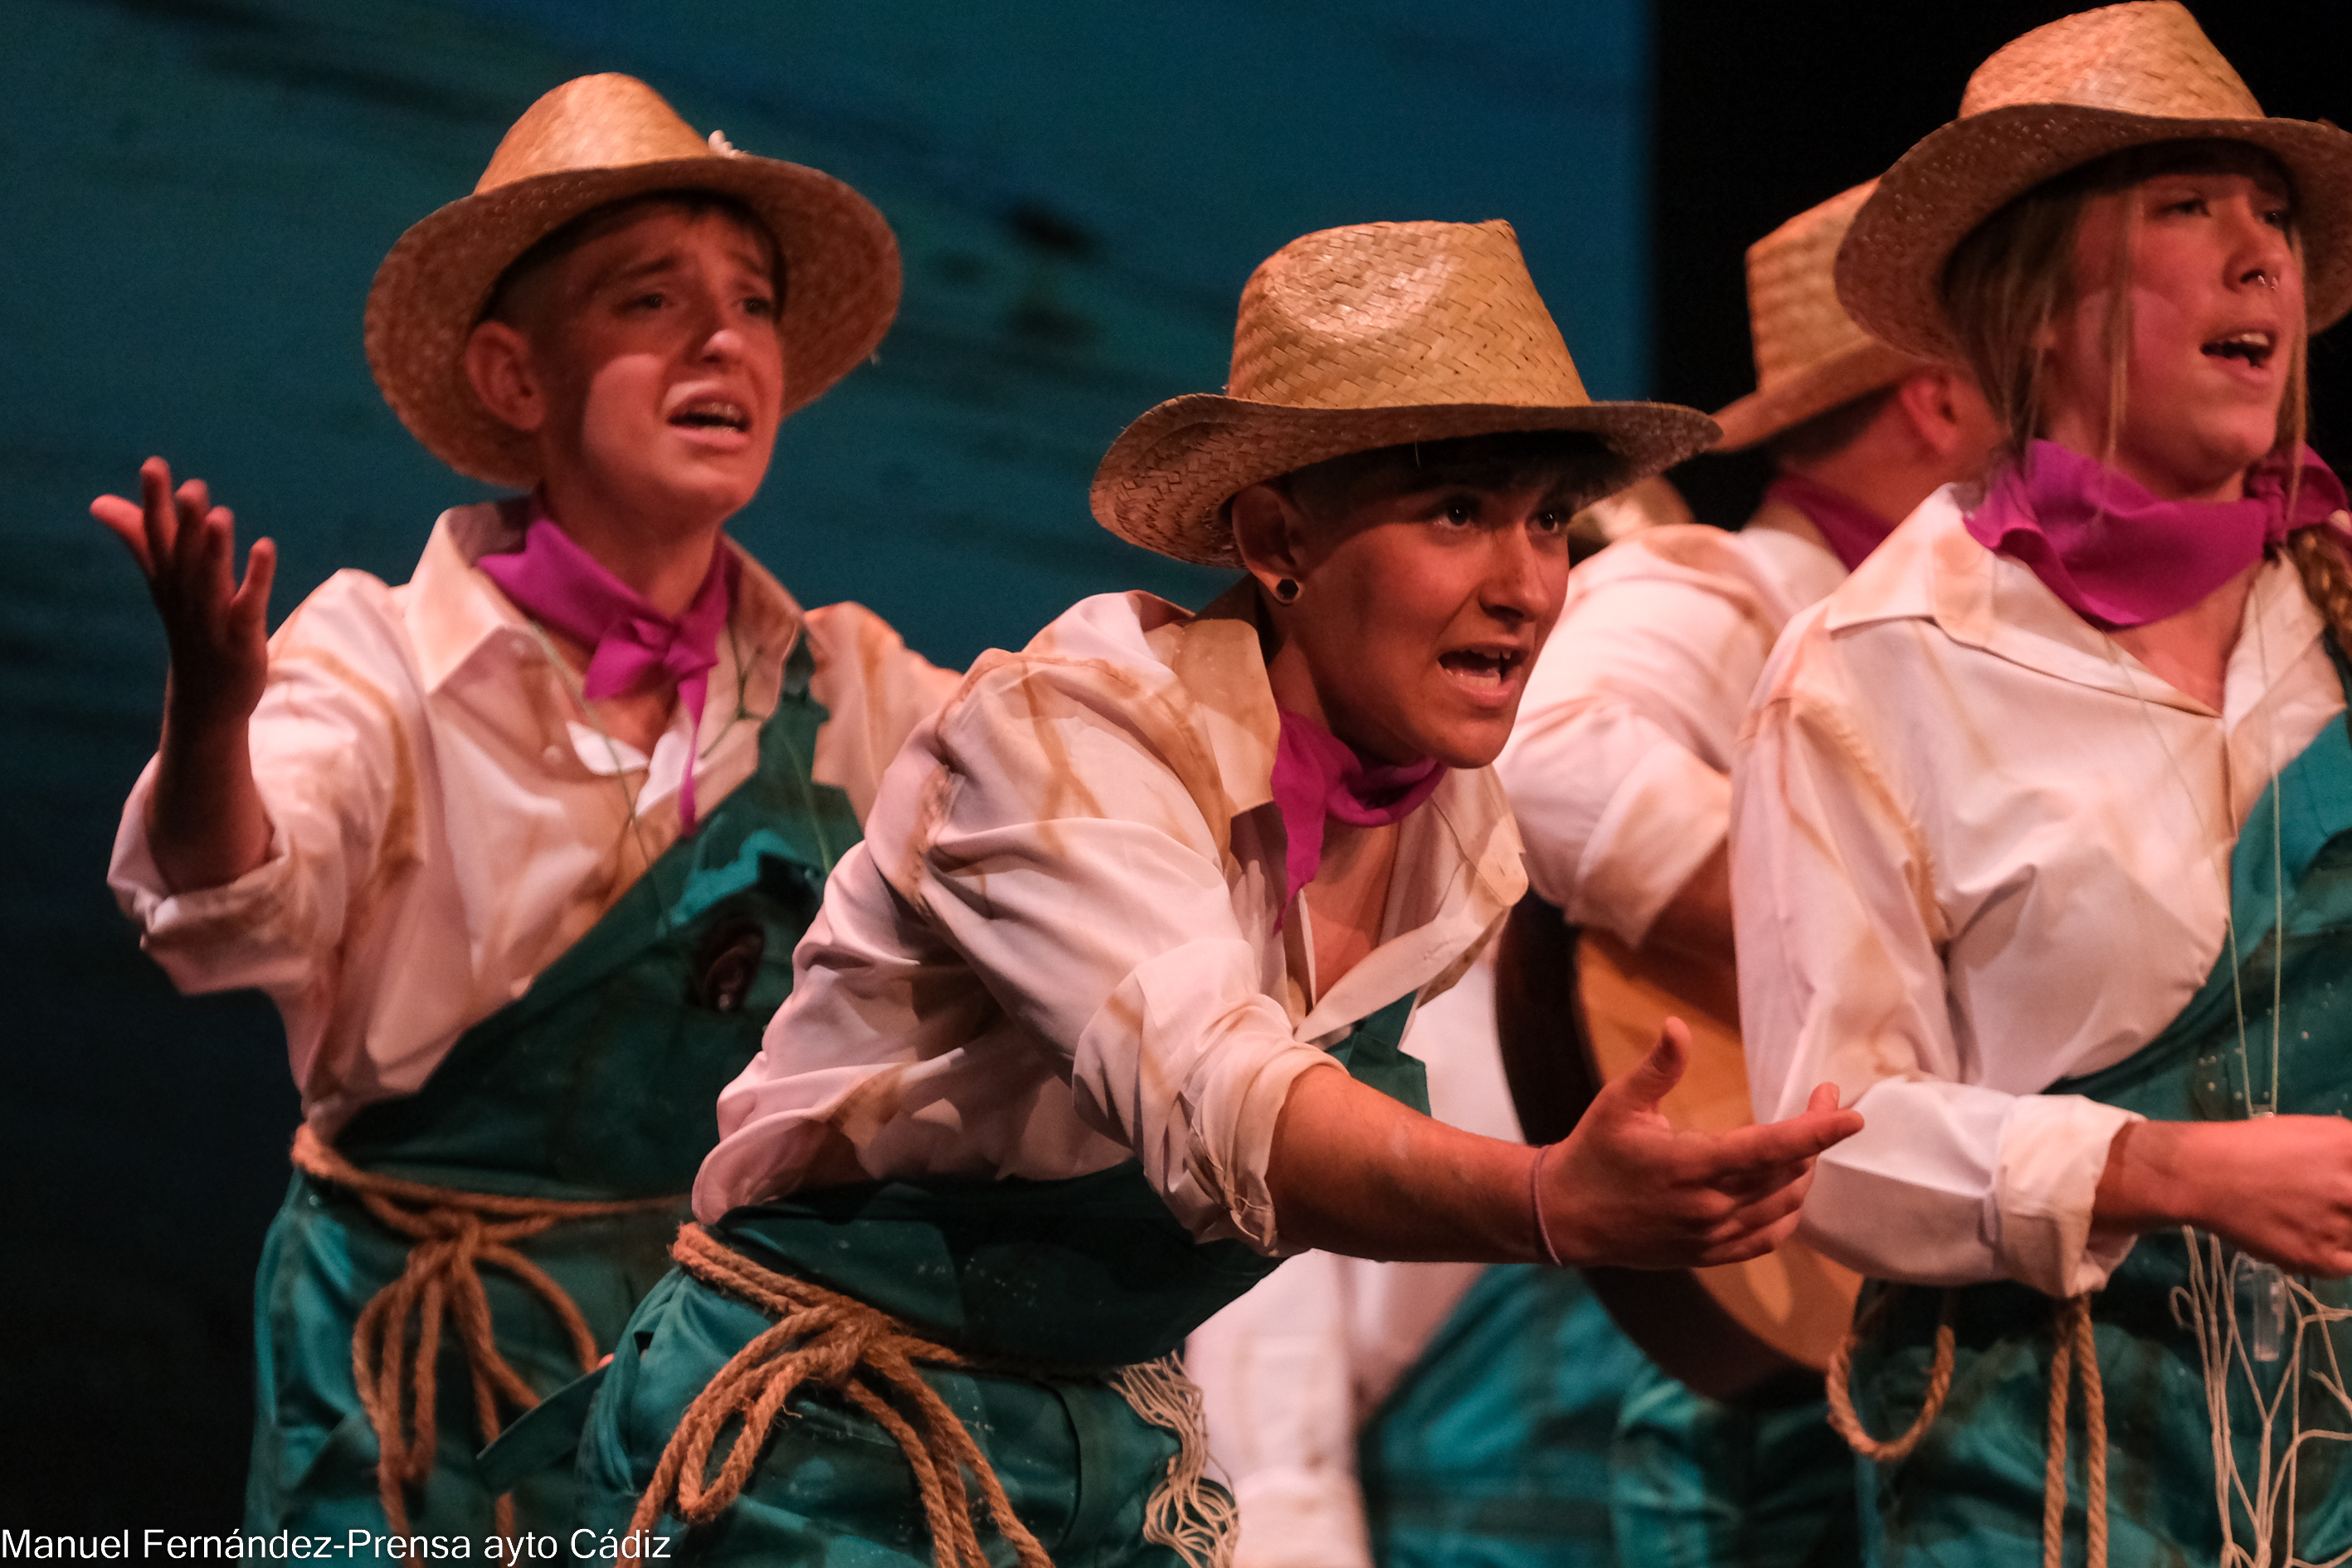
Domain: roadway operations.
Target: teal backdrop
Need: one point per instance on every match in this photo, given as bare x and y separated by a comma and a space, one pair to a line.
193, 194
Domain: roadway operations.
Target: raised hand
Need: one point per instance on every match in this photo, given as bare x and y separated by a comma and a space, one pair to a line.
1629, 1188
206, 822
217, 628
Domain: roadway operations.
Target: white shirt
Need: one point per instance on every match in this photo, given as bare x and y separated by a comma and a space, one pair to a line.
1619, 768
1618, 774
445, 818
1058, 944
1978, 849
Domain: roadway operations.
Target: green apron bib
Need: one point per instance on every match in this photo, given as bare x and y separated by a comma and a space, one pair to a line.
597, 1084
1971, 1493
1090, 1272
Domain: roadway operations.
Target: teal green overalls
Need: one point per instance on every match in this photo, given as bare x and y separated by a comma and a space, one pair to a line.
1971, 1493
598, 1084
1090, 1274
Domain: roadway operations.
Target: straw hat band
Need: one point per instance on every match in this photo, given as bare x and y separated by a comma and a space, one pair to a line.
593, 141
2063, 96
1354, 339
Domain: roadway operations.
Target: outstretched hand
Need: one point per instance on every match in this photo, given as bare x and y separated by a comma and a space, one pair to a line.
217, 628
1628, 1188
206, 822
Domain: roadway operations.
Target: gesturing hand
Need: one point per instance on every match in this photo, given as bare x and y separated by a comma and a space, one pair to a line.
217, 628
1629, 1188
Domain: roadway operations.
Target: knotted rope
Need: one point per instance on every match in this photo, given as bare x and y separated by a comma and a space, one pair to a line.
453, 1236
826, 1340
1840, 1374
2075, 1348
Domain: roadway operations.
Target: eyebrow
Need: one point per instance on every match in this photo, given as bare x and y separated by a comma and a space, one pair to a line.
669, 261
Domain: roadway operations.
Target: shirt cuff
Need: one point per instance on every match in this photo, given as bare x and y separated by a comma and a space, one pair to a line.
1247, 1197
1669, 813
2045, 1180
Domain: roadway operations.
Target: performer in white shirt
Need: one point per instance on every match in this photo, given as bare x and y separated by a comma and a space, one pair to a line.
2035, 826
1057, 1077
520, 847
1618, 777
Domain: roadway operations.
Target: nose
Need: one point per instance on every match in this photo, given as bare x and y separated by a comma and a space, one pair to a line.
2261, 256
1524, 580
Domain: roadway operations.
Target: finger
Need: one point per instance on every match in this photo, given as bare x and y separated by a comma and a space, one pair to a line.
124, 519
156, 515
251, 605
1780, 1142
1754, 1181
1754, 1244
1655, 1076
1823, 1098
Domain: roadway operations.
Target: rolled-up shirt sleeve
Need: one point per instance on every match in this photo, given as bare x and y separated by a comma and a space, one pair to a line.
1840, 939
333, 762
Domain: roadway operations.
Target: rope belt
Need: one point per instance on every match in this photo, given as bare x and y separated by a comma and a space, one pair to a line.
453, 1236
2075, 1347
825, 1340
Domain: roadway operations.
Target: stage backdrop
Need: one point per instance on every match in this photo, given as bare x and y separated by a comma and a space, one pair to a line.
195, 195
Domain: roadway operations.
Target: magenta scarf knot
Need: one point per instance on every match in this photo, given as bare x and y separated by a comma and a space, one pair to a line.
632, 645
1318, 774
1850, 529
2117, 556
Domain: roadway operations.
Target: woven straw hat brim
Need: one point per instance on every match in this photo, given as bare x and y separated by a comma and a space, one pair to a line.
1166, 480
1890, 269
841, 289
1788, 403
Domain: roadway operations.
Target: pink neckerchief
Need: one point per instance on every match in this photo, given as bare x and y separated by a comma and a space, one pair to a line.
1851, 529
1318, 774
565, 589
2117, 556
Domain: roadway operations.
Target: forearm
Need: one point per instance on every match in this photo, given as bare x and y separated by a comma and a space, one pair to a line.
1356, 1172
206, 824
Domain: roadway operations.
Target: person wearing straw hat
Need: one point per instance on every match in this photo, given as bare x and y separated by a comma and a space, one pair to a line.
1618, 775
520, 847
1103, 1016
2037, 830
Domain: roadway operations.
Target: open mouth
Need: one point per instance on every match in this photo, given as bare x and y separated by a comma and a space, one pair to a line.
1484, 666
712, 414
2254, 347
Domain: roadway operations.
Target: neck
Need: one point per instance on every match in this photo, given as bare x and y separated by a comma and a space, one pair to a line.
665, 565
1888, 486
2167, 477
2190, 650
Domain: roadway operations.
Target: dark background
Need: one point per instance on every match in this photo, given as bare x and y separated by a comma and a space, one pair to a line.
1065, 270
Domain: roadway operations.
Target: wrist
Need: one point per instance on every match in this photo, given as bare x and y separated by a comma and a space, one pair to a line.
2157, 1175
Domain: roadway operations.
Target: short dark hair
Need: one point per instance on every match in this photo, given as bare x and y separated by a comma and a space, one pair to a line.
599, 221
1829, 432
1505, 460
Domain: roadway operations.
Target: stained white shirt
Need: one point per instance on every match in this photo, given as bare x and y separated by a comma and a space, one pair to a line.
1063, 942
445, 816
1290, 1372
1976, 848
1619, 767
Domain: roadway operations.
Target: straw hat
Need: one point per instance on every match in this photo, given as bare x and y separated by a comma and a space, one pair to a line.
1354, 339
2062, 95
595, 140
1809, 356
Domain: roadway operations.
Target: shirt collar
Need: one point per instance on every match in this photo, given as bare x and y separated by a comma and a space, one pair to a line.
455, 611
1930, 569
1459, 860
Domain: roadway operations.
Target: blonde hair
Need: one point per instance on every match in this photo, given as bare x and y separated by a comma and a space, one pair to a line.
2013, 276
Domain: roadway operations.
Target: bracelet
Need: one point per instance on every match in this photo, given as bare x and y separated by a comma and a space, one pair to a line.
1535, 1206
